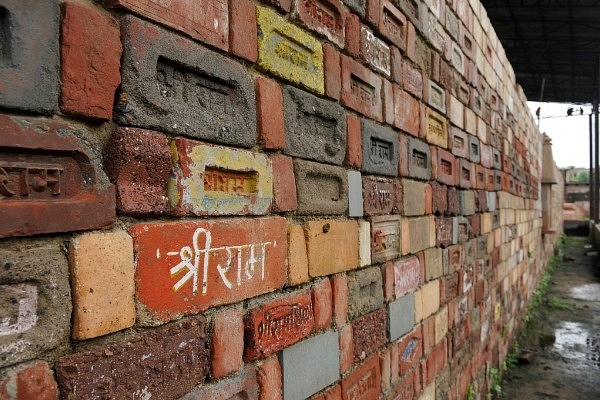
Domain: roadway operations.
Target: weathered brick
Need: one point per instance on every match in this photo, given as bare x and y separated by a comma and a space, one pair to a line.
29, 71
449, 288
242, 30
138, 161
29, 381
465, 174
410, 349
436, 131
436, 361
447, 168
455, 257
325, 17
227, 342
235, 181
456, 112
90, 60
458, 142
269, 109
474, 149
358, 6
486, 155
361, 89
392, 24
441, 324
36, 298
242, 385
208, 22
365, 291
412, 80
467, 202
443, 231
380, 149
346, 348
322, 189
186, 267
419, 159
166, 362
284, 184
407, 275
315, 128
439, 198
413, 195
436, 96
385, 238
401, 316
407, 111
102, 302
364, 383
310, 365
388, 102
288, 52
333, 393
49, 180
480, 177
418, 233
381, 195
434, 267
277, 324
322, 298
369, 333
453, 201
396, 66
333, 71
375, 52
352, 34
355, 194
269, 379
461, 230
403, 154
332, 246
166, 81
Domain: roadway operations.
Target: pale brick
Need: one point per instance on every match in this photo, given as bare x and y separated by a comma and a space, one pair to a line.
364, 242
418, 234
297, 256
413, 195
434, 266
441, 324
332, 246
228, 342
430, 298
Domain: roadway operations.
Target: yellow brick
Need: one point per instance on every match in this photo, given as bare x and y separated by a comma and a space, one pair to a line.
332, 246
441, 324
288, 52
297, 258
430, 296
418, 306
436, 128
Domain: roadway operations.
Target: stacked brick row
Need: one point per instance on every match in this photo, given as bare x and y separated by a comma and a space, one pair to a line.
264, 199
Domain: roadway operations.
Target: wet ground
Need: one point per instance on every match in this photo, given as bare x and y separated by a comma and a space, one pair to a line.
559, 352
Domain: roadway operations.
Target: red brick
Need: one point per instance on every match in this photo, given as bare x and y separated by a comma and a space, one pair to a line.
449, 288
407, 275
465, 175
269, 109
165, 264
381, 196
206, 21
364, 383
392, 24
455, 257
32, 381
361, 89
453, 201
410, 350
227, 342
168, 361
284, 184
412, 80
242, 29
322, 298
405, 390
372, 12
277, 324
440, 198
428, 327
353, 34
402, 155
436, 362
396, 60
411, 42
353, 142
243, 385
480, 177
369, 333
325, 17
340, 299
346, 348
269, 379
90, 59
447, 168
138, 161
407, 112
333, 393
333, 71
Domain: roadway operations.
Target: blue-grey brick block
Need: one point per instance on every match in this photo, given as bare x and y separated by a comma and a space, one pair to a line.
401, 316
365, 291
321, 189
496, 159
358, 6
310, 366
29, 55
355, 194
419, 159
380, 149
491, 201
474, 149
315, 129
175, 85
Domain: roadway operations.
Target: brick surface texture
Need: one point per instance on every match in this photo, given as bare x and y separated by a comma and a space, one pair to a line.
263, 199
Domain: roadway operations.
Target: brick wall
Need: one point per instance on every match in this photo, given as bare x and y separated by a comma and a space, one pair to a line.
302, 199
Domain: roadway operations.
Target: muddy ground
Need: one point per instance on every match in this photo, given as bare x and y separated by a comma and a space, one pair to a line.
559, 351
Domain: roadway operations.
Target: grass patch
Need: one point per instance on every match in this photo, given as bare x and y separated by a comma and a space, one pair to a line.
559, 304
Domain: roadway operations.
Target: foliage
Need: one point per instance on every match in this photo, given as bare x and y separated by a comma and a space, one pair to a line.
471, 393
559, 304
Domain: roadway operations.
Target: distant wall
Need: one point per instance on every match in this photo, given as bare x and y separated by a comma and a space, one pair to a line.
311, 199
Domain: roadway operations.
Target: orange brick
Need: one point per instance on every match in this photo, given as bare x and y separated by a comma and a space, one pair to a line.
333, 393
269, 109
364, 383
242, 29
340, 299
228, 342
33, 381
322, 304
332, 246
102, 283
269, 379
333, 72
346, 348
297, 257
284, 184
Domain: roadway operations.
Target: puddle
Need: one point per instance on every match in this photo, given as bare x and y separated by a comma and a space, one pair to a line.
588, 292
576, 341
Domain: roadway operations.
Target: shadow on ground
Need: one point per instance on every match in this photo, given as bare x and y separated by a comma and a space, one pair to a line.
559, 350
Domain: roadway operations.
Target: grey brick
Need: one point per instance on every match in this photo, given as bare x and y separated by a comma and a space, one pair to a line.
365, 291
29, 31
401, 316
310, 366
315, 129
380, 149
175, 85
358, 6
474, 150
496, 159
491, 201
322, 189
419, 159
355, 195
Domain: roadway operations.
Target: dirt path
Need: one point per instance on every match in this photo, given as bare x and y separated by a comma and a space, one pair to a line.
564, 335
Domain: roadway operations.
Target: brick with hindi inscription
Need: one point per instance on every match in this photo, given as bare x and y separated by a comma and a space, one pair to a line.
407, 275
380, 195
392, 24
380, 149
275, 325
207, 21
461, 230
326, 17
364, 383
288, 52
480, 177
419, 159
436, 96
365, 291
375, 52
410, 350
463, 92
217, 180
458, 142
361, 89
186, 267
447, 168
436, 128
322, 189
457, 58
452, 24
369, 333
407, 111
412, 80
386, 238
172, 84
412, 10
48, 180
490, 180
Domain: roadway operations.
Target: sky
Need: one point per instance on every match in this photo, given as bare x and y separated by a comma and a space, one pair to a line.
569, 134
